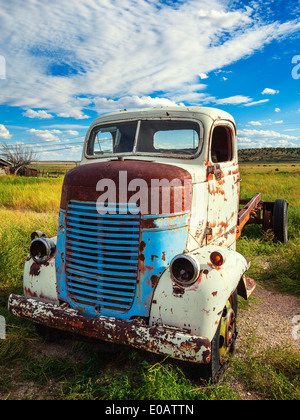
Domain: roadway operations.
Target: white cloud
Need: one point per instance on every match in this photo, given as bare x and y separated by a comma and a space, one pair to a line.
73, 114
234, 100
266, 138
71, 132
4, 133
127, 102
257, 102
277, 109
255, 123
268, 91
67, 126
46, 135
54, 135
266, 133
62, 56
30, 113
203, 76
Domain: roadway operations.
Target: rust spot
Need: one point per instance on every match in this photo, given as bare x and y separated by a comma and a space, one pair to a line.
148, 224
250, 283
154, 280
35, 269
28, 292
142, 246
161, 339
214, 293
206, 356
177, 290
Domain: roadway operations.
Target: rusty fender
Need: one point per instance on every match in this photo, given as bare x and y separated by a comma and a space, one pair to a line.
199, 307
174, 342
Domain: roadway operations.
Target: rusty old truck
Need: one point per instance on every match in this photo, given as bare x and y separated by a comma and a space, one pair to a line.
145, 253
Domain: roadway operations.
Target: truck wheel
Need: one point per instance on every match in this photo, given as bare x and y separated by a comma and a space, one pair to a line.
223, 342
280, 220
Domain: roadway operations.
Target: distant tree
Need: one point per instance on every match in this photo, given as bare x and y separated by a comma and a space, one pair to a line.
19, 156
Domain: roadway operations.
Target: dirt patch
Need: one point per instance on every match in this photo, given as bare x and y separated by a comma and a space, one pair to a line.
273, 318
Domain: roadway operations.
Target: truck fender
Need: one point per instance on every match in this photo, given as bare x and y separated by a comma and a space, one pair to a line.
198, 308
40, 280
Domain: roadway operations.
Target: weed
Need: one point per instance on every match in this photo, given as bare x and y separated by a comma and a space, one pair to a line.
272, 374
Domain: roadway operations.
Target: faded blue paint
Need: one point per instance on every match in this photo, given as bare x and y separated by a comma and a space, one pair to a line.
159, 244
60, 256
110, 264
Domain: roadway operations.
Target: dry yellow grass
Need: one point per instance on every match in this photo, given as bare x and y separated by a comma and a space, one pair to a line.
36, 194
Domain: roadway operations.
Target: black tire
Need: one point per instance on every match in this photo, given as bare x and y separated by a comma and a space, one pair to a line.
211, 371
280, 220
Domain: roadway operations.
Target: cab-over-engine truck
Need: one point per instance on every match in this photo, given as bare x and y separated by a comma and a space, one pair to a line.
145, 253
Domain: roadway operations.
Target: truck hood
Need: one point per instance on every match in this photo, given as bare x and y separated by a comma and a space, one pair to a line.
129, 179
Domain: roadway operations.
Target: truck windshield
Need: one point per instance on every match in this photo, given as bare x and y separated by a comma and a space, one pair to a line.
146, 137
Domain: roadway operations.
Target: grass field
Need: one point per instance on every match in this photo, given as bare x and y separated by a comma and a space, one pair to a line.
26, 372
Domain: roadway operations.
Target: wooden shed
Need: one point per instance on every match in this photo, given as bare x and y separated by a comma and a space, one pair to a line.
5, 167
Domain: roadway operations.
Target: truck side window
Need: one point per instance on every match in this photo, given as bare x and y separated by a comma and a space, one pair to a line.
221, 145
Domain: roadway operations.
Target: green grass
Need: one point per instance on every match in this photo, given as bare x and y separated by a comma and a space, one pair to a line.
26, 373
273, 374
283, 274
36, 194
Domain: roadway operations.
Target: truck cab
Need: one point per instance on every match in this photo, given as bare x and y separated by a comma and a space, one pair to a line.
145, 253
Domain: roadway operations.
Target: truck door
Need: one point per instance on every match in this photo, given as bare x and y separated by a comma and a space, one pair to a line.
223, 185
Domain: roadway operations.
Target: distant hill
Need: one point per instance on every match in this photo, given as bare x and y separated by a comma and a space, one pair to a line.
269, 155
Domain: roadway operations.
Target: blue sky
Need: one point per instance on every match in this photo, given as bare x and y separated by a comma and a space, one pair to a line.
68, 62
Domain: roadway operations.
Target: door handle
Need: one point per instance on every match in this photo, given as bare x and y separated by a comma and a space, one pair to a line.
216, 171
218, 174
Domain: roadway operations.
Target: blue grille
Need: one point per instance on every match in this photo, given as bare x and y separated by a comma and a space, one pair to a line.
101, 257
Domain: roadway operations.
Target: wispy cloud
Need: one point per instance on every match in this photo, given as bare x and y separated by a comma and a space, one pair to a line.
234, 100
262, 101
265, 138
71, 57
54, 135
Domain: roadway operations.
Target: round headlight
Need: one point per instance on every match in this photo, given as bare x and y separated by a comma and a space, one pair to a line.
41, 249
184, 269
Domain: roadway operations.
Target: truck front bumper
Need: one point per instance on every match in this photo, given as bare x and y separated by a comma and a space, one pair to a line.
164, 340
